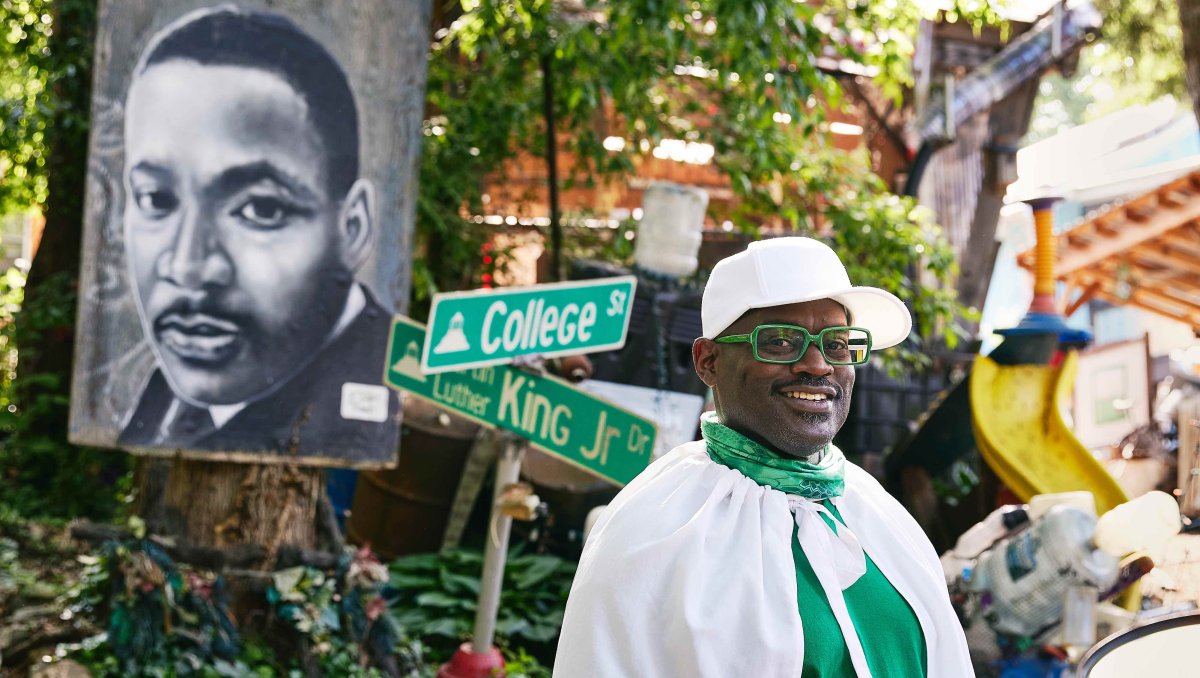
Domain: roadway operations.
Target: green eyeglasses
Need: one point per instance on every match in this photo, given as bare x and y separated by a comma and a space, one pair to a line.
787, 344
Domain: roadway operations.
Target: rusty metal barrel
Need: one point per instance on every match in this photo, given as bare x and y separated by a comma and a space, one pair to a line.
405, 510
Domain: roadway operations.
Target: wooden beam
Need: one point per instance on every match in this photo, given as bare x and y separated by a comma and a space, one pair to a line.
1084, 297
1185, 290
1164, 275
1156, 297
1140, 214
1108, 222
1128, 237
1173, 198
1145, 296
1075, 239
1068, 290
1164, 258
1185, 239
1180, 317
1174, 204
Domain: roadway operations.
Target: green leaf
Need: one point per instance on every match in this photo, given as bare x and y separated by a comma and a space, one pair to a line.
406, 582
415, 563
286, 581
510, 626
540, 567
441, 627
437, 599
459, 583
541, 632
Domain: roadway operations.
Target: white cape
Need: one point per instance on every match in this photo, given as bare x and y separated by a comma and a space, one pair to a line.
689, 572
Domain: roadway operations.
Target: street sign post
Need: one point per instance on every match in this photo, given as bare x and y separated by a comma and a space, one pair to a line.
491, 327
577, 427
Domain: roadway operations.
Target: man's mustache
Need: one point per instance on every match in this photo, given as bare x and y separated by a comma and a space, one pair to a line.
812, 382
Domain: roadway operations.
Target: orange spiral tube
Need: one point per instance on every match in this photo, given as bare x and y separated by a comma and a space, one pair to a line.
1043, 267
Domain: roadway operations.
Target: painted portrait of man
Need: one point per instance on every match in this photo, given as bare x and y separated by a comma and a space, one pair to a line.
245, 222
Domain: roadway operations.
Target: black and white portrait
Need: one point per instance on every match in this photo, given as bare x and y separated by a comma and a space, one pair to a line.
248, 237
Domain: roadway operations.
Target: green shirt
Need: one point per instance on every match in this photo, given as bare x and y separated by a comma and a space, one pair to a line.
888, 629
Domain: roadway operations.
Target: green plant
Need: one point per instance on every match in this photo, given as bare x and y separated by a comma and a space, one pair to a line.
741, 77
165, 613
41, 475
255, 661
520, 664
612, 245
342, 617
166, 620
434, 596
25, 28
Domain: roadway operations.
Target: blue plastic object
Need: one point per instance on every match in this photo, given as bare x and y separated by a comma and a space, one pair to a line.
1048, 323
340, 484
1034, 667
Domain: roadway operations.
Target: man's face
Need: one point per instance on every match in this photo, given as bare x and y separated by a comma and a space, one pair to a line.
230, 231
760, 400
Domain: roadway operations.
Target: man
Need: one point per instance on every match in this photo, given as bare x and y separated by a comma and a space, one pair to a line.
245, 220
760, 551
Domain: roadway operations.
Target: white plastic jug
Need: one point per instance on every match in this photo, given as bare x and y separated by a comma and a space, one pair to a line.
1142, 524
1039, 504
669, 235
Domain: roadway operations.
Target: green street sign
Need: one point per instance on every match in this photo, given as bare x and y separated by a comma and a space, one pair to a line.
491, 327
554, 416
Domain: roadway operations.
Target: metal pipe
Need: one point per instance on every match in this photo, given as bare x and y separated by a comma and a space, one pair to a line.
916, 170
508, 469
556, 235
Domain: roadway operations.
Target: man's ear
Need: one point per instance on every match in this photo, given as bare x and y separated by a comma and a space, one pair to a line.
704, 355
356, 224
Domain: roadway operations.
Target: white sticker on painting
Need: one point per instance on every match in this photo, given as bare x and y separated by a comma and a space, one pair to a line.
364, 402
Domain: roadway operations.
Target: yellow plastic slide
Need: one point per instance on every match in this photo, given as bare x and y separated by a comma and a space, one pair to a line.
1021, 434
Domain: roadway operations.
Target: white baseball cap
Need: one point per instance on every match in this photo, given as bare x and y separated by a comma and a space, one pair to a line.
790, 270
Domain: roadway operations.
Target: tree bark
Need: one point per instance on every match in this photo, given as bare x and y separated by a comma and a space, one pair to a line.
226, 504
1189, 19
66, 171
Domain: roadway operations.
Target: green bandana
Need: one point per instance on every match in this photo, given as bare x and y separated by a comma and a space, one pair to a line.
819, 481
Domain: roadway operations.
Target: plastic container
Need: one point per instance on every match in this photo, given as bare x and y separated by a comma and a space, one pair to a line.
991, 529
1028, 574
1040, 504
997, 525
669, 235
1142, 524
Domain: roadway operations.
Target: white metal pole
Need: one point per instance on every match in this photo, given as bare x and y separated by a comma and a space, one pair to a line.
508, 469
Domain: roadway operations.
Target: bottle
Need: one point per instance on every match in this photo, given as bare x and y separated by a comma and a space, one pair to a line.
991, 529
671, 229
1142, 524
1029, 573
997, 525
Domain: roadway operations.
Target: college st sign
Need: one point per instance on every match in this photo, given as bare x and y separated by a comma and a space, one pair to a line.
554, 416
491, 327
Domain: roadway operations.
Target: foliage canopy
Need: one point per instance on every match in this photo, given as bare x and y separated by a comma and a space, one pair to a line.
753, 80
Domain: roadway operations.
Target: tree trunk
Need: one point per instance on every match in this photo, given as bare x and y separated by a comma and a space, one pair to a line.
66, 170
1189, 19
222, 505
